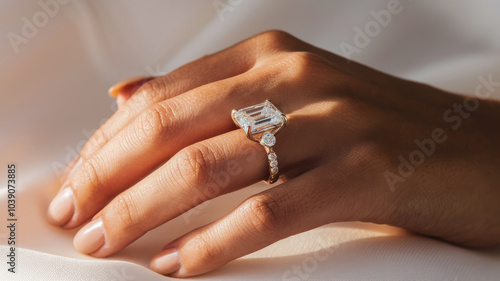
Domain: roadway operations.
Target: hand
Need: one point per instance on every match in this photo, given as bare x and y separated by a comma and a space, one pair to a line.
347, 154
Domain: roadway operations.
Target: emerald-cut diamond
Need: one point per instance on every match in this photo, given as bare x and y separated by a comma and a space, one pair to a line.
263, 117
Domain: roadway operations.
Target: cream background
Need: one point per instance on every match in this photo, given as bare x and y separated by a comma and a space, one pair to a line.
54, 95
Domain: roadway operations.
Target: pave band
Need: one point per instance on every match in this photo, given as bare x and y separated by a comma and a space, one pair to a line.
261, 123
272, 158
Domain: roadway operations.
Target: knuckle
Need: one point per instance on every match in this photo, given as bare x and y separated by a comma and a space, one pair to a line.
275, 35
125, 211
155, 123
207, 252
305, 66
89, 174
265, 214
272, 40
149, 93
194, 165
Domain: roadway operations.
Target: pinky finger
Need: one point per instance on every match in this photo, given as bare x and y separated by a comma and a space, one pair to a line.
259, 221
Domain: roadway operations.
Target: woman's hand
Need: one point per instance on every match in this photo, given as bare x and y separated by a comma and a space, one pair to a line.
347, 154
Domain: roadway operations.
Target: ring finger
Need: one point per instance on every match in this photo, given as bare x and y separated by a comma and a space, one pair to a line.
197, 173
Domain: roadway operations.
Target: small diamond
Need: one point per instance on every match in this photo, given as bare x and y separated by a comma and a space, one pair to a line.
268, 139
273, 163
274, 170
272, 156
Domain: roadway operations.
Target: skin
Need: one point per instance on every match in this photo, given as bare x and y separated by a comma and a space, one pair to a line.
347, 126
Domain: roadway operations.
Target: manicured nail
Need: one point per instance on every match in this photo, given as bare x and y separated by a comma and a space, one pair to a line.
128, 86
90, 238
166, 261
62, 207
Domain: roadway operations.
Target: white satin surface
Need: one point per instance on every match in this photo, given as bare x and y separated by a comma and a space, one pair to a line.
54, 95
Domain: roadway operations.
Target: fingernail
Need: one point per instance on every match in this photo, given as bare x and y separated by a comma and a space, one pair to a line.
62, 207
128, 86
90, 238
166, 261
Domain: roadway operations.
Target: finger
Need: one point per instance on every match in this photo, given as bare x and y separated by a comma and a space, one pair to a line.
204, 170
198, 173
290, 208
128, 86
200, 72
123, 90
208, 69
169, 126
71, 168
121, 100
227, 63
212, 68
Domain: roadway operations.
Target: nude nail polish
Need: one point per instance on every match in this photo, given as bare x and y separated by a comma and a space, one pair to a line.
90, 238
62, 207
166, 261
127, 86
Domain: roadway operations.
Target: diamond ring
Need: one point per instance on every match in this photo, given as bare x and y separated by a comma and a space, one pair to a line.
260, 123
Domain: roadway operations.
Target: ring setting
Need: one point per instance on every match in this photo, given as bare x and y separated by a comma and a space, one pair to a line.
261, 122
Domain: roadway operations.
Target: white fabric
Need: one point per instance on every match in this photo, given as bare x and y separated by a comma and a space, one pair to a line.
54, 95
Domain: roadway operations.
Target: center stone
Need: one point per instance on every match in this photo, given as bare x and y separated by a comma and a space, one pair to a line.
263, 117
